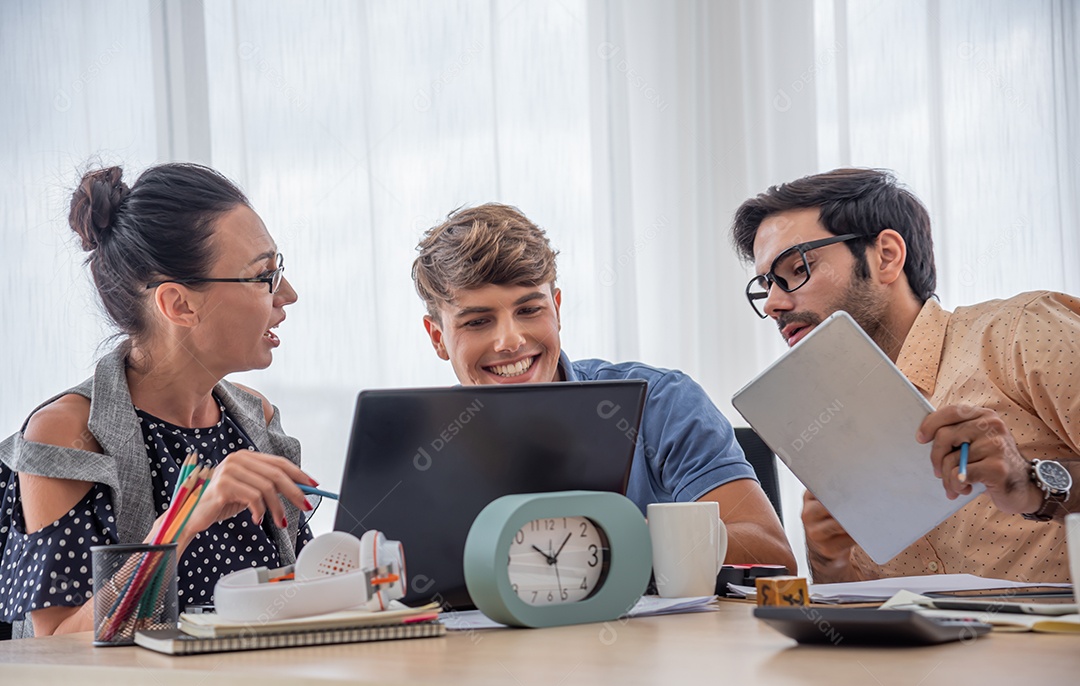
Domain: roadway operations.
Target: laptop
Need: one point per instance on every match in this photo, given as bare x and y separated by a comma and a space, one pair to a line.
422, 463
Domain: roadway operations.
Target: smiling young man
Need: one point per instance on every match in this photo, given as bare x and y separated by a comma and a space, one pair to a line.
1000, 373
487, 276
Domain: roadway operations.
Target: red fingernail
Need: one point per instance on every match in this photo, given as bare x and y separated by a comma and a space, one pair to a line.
313, 481
284, 523
307, 506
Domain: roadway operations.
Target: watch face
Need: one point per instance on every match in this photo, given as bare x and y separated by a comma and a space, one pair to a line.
557, 560
1054, 475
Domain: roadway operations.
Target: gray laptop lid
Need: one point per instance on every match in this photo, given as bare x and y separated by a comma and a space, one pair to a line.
422, 463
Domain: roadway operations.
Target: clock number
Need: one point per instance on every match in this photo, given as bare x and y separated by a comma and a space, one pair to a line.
550, 596
584, 529
534, 596
534, 525
584, 583
550, 524
519, 537
564, 593
564, 522
595, 555
514, 586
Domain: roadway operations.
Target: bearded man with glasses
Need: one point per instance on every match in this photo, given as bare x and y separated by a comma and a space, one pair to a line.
999, 372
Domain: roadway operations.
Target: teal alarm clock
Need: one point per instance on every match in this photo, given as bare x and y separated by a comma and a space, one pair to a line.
546, 559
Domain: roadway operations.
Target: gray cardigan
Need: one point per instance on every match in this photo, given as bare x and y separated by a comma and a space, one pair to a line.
124, 466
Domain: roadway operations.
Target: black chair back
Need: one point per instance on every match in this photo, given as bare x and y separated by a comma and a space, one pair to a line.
761, 458
5, 631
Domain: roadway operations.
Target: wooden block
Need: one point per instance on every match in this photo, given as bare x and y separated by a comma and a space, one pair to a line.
782, 590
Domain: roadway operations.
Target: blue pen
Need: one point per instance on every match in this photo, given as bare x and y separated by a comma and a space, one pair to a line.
315, 491
963, 461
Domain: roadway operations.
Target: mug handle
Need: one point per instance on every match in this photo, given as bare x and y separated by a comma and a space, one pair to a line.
721, 545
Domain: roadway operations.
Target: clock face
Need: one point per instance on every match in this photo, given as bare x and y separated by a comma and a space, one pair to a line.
1055, 475
557, 560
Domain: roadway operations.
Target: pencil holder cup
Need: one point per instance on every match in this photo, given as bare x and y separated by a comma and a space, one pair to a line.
134, 588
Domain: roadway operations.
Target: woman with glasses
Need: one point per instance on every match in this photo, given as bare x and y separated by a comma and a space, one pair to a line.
193, 281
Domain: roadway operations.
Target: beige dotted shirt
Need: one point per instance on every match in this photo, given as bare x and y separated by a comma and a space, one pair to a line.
1021, 358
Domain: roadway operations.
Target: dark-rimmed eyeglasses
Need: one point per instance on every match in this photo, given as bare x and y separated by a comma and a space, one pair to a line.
270, 278
790, 270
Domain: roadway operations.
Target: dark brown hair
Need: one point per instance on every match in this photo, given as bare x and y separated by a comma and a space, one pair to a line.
860, 201
160, 228
490, 244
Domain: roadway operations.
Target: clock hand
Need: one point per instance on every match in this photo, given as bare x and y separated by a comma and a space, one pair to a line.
550, 559
558, 581
556, 556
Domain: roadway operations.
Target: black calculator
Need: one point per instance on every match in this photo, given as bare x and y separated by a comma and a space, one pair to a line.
842, 626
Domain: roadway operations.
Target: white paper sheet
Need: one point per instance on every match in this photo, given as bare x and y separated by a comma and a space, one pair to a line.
647, 606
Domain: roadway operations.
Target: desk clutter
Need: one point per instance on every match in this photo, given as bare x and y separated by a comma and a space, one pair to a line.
334, 571
341, 590
880, 590
960, 608
1005, 613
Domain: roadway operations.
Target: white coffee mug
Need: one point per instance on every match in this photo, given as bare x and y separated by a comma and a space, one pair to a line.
1072, 536
689, 543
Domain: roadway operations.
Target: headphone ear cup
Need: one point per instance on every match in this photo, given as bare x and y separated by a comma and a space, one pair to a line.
376, 553
331, 553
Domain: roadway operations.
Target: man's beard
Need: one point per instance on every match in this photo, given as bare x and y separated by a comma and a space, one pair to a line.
867, 307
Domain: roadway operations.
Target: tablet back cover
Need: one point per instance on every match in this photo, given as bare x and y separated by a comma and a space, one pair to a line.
843, 418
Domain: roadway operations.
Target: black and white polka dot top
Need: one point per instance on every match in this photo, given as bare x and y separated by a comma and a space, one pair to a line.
52, 566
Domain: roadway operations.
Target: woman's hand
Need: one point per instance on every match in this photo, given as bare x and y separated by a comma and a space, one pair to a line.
248, 480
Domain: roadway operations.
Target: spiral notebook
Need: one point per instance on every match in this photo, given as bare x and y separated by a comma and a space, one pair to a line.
176, 642
215, 626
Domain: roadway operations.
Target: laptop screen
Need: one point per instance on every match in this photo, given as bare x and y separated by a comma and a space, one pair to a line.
422, 463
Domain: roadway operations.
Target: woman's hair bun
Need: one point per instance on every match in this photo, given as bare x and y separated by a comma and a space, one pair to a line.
95, 204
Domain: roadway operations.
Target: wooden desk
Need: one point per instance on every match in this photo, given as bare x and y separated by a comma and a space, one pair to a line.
726, 647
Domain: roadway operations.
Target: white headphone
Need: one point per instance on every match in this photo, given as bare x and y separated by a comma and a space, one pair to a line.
334, 571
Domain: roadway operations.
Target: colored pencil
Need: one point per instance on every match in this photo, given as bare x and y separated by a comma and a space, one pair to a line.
315, 491
963, 461
138, 596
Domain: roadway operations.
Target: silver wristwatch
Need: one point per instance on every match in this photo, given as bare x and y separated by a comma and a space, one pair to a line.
1055, 482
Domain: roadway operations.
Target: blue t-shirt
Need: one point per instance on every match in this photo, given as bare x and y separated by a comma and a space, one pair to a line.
685, 447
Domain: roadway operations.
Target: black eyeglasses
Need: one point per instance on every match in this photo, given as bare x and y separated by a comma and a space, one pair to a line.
790, 270
270, 278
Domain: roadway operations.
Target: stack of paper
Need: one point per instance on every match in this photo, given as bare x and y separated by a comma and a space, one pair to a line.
880, 590
1001, 621
647, 606
651, 605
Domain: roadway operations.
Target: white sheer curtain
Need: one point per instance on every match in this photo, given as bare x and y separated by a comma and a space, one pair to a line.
629, 130
78, 87
622, 128
975, 105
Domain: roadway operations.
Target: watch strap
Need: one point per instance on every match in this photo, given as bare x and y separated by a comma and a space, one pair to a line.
1050, 506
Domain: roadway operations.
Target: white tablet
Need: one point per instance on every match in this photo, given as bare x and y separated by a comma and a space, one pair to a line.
843, 418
